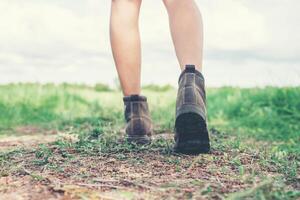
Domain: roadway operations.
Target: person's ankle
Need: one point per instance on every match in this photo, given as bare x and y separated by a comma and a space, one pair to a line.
190, 69
197, 67
135, 97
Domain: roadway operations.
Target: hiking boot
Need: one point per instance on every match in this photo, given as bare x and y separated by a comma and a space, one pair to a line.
139, 124
191, 134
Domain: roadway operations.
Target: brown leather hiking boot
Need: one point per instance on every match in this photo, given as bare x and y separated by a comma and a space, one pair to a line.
191, 134
139, 124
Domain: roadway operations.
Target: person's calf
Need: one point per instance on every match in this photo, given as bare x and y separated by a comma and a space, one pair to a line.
125, 43
186, 30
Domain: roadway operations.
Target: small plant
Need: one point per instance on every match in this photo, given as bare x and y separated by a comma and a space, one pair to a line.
42, 154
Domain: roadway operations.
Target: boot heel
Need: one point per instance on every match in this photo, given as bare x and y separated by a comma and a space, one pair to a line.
192, 134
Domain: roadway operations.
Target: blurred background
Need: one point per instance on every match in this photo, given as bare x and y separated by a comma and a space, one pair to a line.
248, 43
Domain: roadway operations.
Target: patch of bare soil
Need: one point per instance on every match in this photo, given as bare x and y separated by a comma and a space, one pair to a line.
25, 188
27, 136
26, 141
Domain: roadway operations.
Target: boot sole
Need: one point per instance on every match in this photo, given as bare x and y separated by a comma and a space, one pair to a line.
140, 140
192, 134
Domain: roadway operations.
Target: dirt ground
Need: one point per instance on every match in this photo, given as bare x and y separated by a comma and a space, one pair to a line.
127, 175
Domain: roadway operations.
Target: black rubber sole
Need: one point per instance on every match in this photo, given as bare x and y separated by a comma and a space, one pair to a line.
192, 136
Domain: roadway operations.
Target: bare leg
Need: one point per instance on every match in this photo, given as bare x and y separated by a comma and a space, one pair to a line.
187, 31
126, 45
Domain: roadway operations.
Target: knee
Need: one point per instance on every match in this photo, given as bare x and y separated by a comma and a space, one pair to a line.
126, 3
176, 3
125, 12
168, 3
125, 8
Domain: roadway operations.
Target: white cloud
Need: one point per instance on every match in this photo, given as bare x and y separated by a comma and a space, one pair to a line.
232, 25
68, 41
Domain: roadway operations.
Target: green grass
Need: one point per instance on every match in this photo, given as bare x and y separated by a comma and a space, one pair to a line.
270, 114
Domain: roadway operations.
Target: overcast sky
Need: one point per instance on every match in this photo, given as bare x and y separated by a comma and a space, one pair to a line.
247, 42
